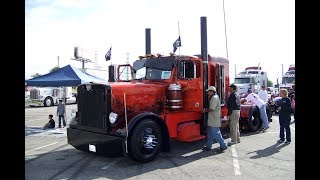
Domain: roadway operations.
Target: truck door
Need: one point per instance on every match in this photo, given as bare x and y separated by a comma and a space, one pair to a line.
189, 77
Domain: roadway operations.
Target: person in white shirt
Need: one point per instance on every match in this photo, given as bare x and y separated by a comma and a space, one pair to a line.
254, 99
263, 93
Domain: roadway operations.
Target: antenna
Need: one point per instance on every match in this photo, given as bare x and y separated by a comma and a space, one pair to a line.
96, 59
79, 58
127, 63
225, 30
179, 36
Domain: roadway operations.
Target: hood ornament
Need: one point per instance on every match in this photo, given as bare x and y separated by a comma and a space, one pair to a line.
88, 87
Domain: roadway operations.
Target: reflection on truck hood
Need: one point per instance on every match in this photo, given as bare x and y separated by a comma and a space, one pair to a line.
140, 97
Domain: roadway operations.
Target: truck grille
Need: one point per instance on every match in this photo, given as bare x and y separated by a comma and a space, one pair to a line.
94, 105
34, 94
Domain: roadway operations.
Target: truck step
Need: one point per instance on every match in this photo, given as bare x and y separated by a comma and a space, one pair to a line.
191, 138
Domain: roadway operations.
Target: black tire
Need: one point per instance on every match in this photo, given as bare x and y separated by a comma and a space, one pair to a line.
254, 120
145, 142
48, 101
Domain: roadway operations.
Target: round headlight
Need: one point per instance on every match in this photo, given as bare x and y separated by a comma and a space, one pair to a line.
113, 117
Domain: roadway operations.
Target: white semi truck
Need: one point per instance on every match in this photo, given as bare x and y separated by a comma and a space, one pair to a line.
49, 96
251, 78
288, 79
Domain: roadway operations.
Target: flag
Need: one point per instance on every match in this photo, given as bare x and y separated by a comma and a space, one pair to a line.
176, 44
108, 55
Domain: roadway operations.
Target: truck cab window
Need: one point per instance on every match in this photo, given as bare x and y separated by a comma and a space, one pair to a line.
188, 70
222, 85
125, 73
56, 92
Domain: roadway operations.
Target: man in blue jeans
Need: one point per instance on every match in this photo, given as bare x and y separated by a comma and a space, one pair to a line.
214, 121
255, 100
61, 113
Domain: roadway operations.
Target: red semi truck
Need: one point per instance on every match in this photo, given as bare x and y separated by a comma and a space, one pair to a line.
162, 101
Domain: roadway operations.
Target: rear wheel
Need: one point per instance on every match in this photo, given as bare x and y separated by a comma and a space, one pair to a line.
146, 141
254, 120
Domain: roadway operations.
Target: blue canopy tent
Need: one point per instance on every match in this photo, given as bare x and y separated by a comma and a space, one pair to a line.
65, 76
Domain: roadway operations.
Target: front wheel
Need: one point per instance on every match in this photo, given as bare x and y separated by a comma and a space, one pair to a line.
146, 141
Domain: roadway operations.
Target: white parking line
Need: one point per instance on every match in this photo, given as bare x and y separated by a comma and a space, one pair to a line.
35, 120
236, 165
111, 164
41, 147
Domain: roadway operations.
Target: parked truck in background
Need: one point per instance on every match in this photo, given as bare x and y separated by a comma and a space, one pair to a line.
161, 100
49, 96
288, 79
251, 78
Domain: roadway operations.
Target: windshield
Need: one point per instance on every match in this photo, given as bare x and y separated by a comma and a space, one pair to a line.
140, 73
241, 80
152, 74
290, 73
154, 68
288, 80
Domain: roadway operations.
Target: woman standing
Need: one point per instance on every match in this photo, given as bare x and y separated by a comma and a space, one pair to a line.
284, 116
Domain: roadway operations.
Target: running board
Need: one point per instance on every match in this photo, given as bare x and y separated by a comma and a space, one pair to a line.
190, 139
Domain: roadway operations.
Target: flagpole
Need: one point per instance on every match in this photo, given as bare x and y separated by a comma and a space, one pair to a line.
179, 35
111, 56
225, 30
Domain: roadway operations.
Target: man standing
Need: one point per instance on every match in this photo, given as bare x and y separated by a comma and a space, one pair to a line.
263, 93
61, 112
234, 114
214, 121
255, 100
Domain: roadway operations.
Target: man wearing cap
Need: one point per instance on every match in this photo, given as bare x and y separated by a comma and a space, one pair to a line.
234, 114
214, 121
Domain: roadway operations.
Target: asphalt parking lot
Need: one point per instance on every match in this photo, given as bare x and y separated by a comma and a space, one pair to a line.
258, 156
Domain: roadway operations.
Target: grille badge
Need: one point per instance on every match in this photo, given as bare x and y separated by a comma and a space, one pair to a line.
88, 87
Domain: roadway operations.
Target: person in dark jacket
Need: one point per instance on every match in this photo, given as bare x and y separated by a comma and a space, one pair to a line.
284, 116
61, 113
51, 124
234, 114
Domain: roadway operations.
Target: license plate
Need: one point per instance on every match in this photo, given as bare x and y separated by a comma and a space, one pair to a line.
92, 148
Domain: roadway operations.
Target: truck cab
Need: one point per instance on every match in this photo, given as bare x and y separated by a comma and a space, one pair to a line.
251, 78
288, 80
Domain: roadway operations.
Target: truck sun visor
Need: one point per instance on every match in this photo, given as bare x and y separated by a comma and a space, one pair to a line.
163, 63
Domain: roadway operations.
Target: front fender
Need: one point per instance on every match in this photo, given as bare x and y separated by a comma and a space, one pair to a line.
149, 115
245, 110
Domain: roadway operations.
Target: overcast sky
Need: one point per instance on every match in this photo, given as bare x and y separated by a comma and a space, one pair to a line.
257, 31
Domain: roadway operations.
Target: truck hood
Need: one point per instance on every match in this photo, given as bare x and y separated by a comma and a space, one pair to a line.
137, 88
139, 97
